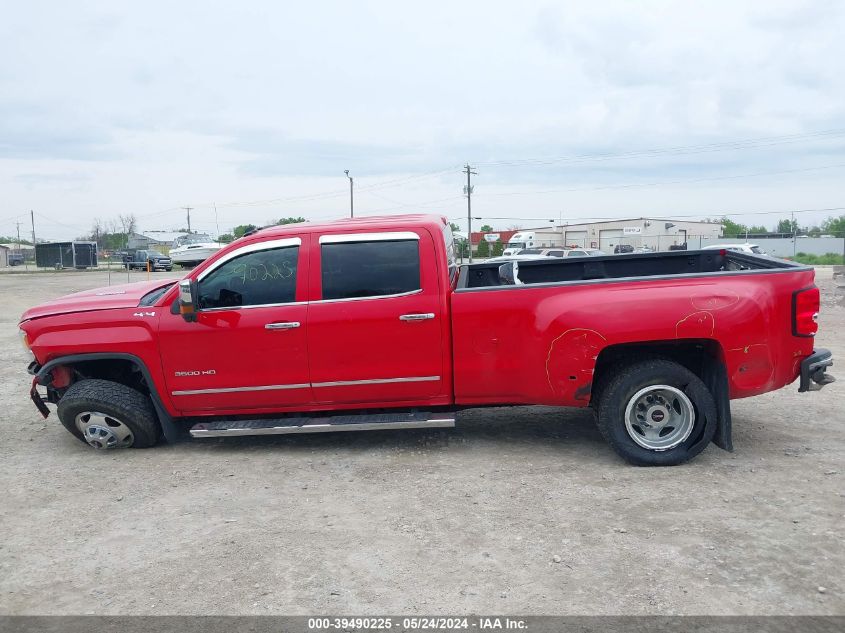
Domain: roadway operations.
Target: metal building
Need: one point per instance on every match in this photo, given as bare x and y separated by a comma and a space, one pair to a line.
659, 234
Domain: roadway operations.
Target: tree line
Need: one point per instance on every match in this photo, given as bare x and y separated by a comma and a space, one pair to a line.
831, 226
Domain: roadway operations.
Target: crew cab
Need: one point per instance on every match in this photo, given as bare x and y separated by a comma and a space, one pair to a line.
369, 324
148, 260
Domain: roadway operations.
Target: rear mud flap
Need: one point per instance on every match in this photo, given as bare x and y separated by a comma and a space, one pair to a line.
716, 379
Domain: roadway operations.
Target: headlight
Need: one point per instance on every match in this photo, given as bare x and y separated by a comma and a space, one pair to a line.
25, 342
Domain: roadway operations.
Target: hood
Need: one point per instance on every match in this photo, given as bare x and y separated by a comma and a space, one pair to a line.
123, 296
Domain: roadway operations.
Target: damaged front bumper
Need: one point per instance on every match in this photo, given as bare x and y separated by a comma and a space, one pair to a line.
34, 369
37, 399
814, 374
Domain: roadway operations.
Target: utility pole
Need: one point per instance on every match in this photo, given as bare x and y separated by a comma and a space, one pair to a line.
468, 192
188, 209
351, 201
792, 226
32, 218
20, 250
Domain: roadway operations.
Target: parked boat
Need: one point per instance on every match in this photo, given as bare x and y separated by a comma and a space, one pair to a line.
191, 249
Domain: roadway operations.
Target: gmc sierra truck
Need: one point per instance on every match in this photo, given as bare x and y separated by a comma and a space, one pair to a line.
370, 324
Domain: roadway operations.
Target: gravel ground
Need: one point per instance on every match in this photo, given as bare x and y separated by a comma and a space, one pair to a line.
518, 510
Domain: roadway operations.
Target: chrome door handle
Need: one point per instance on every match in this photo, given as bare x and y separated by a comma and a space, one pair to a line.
417, 317
287, 325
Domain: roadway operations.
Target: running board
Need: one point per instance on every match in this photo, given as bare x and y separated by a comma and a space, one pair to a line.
328, 424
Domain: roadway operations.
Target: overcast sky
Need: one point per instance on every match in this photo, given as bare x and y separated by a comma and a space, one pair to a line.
567, 110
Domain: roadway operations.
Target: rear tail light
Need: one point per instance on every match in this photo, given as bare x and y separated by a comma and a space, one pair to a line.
805, 312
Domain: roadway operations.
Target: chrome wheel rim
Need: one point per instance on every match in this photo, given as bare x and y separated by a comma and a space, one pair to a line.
659, 417
103, 431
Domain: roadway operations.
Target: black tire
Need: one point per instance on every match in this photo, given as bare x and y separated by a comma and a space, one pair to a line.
168, 269
621, 387
127, 405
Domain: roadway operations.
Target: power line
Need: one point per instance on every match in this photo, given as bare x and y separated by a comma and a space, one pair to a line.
715, 214
67, 226
668, 182
334, 194
678, 150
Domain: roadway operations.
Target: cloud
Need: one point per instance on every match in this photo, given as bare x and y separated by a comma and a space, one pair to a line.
272, 153
35, 132
164, 105
55, 180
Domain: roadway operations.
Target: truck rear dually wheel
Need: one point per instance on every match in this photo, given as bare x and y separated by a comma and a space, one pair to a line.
107, 414
656, 413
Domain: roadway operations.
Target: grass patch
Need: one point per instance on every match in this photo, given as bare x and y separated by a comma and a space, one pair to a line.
826, 259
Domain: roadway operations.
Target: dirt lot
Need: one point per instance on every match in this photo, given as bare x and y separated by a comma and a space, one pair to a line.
464, 520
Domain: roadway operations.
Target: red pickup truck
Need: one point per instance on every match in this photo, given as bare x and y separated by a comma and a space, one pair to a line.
370, 324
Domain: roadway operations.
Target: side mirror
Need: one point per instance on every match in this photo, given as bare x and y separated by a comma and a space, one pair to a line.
509, 274
187, 300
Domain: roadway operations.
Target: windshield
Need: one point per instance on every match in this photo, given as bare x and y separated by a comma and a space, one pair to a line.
531, 251
757, 250
151, 297
193, 238
154, 254
513, 245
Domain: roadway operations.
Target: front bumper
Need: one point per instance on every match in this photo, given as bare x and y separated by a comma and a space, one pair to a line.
813, 371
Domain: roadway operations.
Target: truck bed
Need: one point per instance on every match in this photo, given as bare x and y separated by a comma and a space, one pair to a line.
616, 267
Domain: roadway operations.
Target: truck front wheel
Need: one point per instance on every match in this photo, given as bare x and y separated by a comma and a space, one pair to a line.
107, 414
656, 413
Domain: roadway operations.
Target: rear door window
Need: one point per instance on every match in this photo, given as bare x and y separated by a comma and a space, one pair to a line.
378, 268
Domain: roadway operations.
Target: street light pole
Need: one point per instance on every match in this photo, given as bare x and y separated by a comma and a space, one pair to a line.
351, 201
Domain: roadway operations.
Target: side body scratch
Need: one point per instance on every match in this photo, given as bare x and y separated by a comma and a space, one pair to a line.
696, 324
586, 331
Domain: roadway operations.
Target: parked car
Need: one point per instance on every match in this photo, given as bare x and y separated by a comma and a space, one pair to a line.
624, 249
144, 259
751, 249
562, 252
369, 324
540, 253
16, 259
